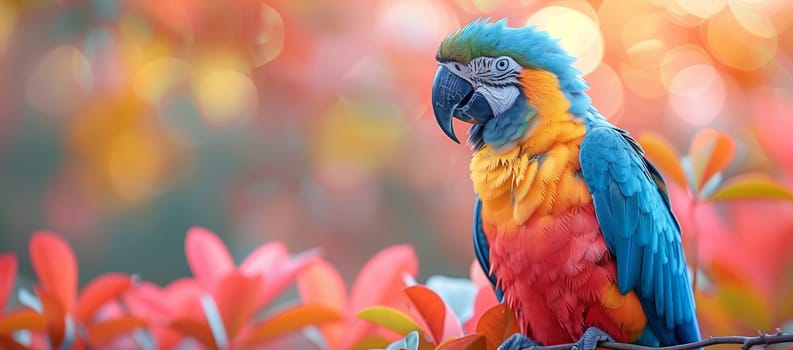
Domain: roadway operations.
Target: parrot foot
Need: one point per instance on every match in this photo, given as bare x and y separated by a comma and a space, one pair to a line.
518, 342
591, 338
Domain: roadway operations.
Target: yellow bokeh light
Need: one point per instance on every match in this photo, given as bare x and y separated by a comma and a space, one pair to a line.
697, 94
8, 19
225, 96
701, 8
59, 81
269, 36
753, 19
732, 45
579, 35
135, 165
157, 77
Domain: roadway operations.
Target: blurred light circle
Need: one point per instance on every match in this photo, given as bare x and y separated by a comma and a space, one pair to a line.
225, 96
615, 15
697, 94
8, 17
59, 80
606, 91
416, 24
135, 164
753, 19
701, 8
680, 16
269, 36
579, 35
157, 77
647, 53
734, 46
642, 81
681, 57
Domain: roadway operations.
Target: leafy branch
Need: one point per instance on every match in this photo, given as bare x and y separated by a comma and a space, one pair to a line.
745, 342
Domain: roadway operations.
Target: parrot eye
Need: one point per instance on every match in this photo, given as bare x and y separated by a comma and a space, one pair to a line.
502, 64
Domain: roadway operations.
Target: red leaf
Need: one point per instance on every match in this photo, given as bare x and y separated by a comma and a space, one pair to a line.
262, 260
278, 277
322, 284
711, 151
8, 274
497, 324
290, 320
23, 318
381, 282
431, 308
235, 298
100, 291
55, 266
208, 257
184, 296
8, 343
148, 301
381, 279
107, 330
197, 329
468, 342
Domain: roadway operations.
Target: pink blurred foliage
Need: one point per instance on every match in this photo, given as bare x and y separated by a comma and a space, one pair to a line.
379, 282
237, 294
736, 233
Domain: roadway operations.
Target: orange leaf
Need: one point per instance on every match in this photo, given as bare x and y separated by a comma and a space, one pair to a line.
291, 320
235, 298
98, 292
8, 274
207, 256
23, 318
497, 324
431, 308
485, 299
322, 284
751, 186
468, 342
711, 151
55, 266
55, 317
198, 330
104, 331
662, 155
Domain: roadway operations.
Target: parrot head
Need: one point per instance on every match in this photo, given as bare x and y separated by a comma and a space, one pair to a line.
479, 74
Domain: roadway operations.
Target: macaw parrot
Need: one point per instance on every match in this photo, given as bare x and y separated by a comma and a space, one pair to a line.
572, 224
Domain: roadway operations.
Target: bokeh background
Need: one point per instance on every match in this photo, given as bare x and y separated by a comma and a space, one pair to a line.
123, 123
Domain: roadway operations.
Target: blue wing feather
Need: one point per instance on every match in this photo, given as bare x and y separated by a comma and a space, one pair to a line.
640, 230
482, 249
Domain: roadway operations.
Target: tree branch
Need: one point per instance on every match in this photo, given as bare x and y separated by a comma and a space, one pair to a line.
745, 342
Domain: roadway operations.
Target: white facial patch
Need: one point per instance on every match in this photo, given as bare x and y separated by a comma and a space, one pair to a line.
499, 97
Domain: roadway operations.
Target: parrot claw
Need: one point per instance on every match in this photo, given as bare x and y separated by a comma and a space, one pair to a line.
591, 338
518, 342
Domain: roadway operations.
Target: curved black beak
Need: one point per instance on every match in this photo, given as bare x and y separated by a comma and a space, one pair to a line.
453, 96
